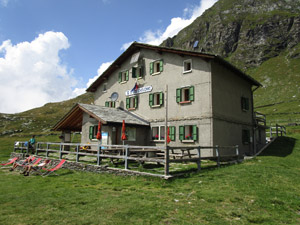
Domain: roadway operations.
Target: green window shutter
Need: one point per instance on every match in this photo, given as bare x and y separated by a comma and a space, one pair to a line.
178, 95
134, 72
150, 100
135, 102
127, 103
161, 65
192, 93
161, 98
106, 104
172, 133
151, 67
127, 75
181, 133
113, 104
120, 77
195, 132
91, 133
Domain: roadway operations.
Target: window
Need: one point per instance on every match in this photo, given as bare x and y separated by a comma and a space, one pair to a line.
137, 72
187, 66
246, 136
156, 67
245, 103
158, 133
156, 99
104, 87
123, 76
110, 104
93, 132
130, 133
185, 95
188, 133
132, 103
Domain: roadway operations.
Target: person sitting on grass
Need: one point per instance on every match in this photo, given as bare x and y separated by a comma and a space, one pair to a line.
21, 162
37, 167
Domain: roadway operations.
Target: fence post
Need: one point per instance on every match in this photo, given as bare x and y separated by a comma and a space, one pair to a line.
47, 150
60, 151
199, 159
77, 153
271, 132
276, 130
98, 155
27, 149
281, 128
126, 157
167, 159
218, 155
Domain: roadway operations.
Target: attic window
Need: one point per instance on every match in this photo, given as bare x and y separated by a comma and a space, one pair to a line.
187, 66
104, 87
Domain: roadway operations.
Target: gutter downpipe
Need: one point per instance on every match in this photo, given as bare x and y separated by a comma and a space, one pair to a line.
253, 121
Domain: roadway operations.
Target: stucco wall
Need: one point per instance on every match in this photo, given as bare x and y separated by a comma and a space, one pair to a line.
198, 112
229, 118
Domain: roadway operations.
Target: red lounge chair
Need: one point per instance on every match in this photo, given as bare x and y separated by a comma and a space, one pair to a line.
49, 171
10, 162
32, 161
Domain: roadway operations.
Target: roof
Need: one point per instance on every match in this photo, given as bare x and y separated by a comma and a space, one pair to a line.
72, 121
134, 47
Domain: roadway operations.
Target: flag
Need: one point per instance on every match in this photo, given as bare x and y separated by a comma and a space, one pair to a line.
135, 87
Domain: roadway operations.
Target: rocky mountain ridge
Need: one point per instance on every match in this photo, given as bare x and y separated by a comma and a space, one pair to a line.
246, 32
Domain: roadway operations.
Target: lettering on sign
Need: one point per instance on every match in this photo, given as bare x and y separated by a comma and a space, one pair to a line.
138, 91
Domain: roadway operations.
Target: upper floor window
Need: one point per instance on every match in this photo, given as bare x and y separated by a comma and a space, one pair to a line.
137, 72
187, 66
156, 99
132, 103
123, 76
110, 104
188, 133
156, 67
245, 103
185, 94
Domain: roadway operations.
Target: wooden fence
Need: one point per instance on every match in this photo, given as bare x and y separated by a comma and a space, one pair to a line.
275, 131
141, 154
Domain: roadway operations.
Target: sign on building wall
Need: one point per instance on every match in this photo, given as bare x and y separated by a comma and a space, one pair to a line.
138, 91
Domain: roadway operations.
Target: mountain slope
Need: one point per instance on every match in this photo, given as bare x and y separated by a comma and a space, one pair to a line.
260, 37
39, 120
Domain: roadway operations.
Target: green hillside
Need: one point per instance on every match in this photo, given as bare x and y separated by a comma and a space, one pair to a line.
39, 120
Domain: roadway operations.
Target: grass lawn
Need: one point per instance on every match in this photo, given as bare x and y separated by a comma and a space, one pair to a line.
264, 190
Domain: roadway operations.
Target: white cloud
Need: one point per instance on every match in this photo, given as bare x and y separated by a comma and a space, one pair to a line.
176, 24
4, 3
32, 74
100, 70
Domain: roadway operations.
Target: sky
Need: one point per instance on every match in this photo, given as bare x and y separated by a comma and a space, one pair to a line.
52, 50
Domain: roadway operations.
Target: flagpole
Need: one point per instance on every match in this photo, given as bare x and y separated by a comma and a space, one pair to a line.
166, 130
